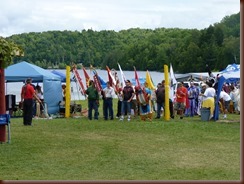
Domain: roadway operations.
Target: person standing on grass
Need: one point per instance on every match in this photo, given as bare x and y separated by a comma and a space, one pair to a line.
39, 106
209, 98
181, 95
93, 100
27, 95
192, 95
127, 94
108, 102
225, 98
160, 99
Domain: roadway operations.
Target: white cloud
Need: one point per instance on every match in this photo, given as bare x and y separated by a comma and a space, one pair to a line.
20, 16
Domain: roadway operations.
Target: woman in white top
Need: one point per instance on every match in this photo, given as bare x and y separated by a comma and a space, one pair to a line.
225, 97
208, 99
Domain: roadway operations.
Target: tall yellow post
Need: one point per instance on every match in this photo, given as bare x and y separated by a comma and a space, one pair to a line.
166, 105
67, 91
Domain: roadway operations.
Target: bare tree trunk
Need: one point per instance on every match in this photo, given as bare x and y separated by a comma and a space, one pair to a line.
2, 102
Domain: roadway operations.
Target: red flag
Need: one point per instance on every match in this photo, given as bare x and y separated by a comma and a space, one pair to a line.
112, 80
97, 83
78, 78
137, 79
86, 77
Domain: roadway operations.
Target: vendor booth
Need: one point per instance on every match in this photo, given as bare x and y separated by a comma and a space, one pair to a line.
230, 74
52, 90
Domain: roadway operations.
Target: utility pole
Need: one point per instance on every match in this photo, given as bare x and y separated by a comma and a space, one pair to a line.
2, 101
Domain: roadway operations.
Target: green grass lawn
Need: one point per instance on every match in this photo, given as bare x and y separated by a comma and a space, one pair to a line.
78, 149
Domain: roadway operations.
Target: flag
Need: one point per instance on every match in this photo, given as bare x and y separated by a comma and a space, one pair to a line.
97, 83
122, 76
78, 79
115, 74
149, 81
172, 83
137, 79
112, 80
102, 82
86, 76
172, 76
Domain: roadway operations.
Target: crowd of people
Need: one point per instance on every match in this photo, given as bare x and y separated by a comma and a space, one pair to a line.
140, 101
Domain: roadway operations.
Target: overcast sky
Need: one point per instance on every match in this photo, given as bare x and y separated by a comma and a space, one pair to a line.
23, 16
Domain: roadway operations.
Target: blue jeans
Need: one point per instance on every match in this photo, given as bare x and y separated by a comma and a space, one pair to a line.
92, 104
159, 106
191, 109
108, 107
126, 106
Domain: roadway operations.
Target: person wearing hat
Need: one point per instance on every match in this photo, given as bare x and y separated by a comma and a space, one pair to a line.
27, 95
127, 95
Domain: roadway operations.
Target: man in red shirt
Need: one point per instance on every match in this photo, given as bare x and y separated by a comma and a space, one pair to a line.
27, 94
181, 96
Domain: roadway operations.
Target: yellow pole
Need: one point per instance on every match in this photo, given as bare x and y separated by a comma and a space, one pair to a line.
166, 78
67, 92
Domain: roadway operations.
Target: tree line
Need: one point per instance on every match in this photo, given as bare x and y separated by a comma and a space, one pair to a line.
189, 50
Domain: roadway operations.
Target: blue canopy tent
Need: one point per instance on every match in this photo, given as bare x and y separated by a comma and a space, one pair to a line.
61, 75
230, 74
52, 89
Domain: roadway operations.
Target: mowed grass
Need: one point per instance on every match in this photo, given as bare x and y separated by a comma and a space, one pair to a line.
78, 149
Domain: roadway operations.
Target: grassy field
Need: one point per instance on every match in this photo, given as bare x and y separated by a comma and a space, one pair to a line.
78, 149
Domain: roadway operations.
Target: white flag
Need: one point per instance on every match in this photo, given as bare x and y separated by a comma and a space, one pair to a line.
122, 76
172, 82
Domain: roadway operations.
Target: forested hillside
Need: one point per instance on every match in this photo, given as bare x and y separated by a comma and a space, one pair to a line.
189, 50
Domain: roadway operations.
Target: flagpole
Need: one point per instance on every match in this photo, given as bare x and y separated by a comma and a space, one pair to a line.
166, 110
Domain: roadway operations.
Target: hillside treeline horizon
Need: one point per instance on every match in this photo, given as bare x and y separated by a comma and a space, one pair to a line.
188, 50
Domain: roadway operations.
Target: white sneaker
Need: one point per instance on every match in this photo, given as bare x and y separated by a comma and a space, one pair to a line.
121, 119
128, 119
